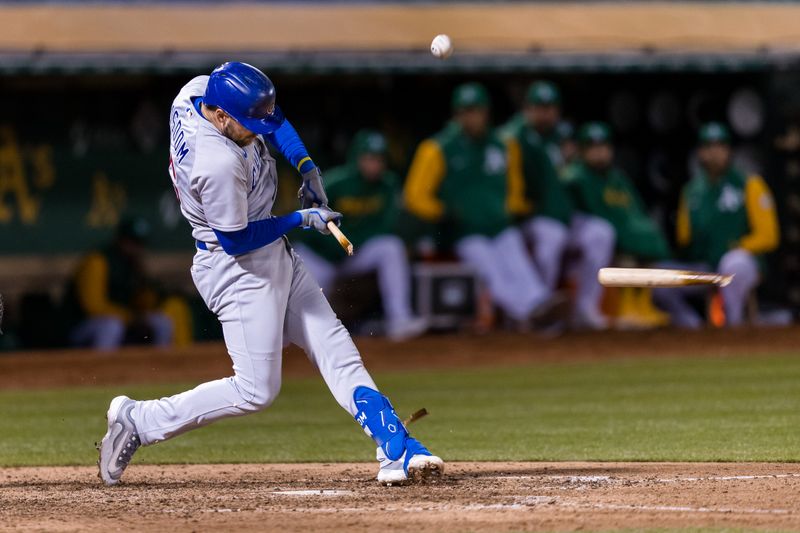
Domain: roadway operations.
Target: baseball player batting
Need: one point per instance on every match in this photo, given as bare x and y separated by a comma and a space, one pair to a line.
249, 276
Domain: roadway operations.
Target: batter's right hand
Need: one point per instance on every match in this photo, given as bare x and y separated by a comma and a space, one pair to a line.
312, 192
318, 218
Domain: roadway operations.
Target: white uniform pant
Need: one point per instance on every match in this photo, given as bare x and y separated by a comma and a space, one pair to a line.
505, 266
385, 255
741, 263
591, 237
264, 300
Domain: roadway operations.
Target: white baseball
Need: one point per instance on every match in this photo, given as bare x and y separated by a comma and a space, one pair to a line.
441, 46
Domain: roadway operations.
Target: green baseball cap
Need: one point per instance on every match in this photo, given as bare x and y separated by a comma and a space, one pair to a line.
543, 93
368, 142
713, 132
471, 94
594, 133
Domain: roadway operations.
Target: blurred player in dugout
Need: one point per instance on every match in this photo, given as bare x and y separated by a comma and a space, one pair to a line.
368, 195
460, 182
601, 189
548, 219
726, 221
541, 114
110, 299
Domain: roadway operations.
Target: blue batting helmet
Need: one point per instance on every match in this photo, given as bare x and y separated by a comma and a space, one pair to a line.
246, 94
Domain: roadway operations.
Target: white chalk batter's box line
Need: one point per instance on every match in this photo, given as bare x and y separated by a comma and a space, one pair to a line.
530, 503
527, 502
312, 492
729, 478
614, 479
670, 508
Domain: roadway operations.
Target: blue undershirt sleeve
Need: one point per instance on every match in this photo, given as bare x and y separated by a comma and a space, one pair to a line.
257, 234
288, 142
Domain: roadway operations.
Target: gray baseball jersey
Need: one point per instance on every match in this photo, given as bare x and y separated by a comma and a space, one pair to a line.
219, 184
263, 299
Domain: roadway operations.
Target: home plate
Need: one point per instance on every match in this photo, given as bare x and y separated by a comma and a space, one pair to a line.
312, 492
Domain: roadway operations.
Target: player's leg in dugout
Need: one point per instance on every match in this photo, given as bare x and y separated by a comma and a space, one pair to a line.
161, 327
505, 266
674, 300
249, 295
523, 280
386, 255
549, 238
311, 324
100, 333
744, 267
594, 238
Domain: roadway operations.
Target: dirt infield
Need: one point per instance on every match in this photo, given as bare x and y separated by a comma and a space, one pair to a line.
344, 497
210, 361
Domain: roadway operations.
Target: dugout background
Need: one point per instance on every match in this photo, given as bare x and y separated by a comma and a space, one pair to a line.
83, 132
80, 151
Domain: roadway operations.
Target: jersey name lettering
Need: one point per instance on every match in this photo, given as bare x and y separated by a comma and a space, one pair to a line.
178, 137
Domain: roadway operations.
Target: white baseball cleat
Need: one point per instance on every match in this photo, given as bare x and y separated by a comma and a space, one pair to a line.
590, 320
403, 330
120, 441
418, 467
424, 468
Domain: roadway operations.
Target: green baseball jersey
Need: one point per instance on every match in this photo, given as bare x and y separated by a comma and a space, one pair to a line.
612, 196
733, 211
460, 181
544, 193
370, 209
510, 128
550, 142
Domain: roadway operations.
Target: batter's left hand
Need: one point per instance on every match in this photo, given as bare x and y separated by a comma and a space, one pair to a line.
312, 192
318, 218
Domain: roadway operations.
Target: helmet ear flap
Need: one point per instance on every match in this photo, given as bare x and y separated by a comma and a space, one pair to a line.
277, 115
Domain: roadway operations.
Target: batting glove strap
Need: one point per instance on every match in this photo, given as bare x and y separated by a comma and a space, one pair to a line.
377, 417
312, 192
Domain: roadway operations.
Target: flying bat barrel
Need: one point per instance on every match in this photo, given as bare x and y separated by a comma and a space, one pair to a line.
658, 277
